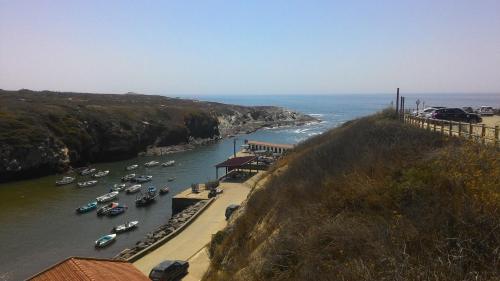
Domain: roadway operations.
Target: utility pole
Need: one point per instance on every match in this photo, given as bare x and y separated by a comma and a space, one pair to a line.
397, 102
234, 147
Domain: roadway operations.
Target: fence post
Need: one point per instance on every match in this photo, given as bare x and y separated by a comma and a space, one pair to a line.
483, 133
470, 130
434, 125
442, 127
497, 140
459, 129
450, 128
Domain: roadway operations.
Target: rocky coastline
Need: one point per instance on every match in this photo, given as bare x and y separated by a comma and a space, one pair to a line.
44, 133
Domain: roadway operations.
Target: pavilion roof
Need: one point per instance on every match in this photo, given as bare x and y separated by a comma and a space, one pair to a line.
236, 162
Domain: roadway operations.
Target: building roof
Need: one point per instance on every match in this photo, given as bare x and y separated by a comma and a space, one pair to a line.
85, 269
236, 162
278, 145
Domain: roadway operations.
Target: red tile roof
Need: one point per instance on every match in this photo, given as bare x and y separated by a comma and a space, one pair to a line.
85, 269
236, 162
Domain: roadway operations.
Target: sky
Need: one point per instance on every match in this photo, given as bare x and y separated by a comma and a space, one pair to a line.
251, 47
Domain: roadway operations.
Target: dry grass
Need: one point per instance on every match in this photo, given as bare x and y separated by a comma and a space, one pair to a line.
372, 200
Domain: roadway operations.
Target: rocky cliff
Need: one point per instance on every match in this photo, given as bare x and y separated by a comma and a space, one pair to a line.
46, 132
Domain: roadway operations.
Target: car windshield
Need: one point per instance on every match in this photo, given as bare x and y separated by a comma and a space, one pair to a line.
156, 274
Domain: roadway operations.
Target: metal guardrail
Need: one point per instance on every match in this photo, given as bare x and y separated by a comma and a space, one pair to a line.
476, 132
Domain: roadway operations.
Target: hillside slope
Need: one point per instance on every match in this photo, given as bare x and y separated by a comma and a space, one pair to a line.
46, 132
371, 200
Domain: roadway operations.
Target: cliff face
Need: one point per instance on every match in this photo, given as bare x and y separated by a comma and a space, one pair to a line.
372, 200
47, 132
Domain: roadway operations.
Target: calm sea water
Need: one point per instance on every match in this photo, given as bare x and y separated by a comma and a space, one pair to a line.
38, 224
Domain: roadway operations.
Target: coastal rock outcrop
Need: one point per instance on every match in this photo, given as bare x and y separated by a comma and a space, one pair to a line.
43, 133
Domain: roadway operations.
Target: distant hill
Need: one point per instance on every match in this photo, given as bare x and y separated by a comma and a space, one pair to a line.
371, 200
46, 132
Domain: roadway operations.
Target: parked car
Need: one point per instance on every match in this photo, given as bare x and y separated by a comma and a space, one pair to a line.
468, 109
426, 113
486, 111
230, 210
169, 270
456, 114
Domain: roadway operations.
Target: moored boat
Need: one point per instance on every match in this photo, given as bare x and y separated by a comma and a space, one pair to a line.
164, 190
151, 164
120, 209
87, 171
105, 240
101, 174
168, 163
132, 167
145, 200
130, 225
107, 197
141, 179
87, 183
171, 179
65, 180
128, 177
106, 208
87, 208
133, 189
118, 187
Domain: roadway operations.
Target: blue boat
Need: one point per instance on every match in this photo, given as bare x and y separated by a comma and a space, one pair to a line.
152, 190
117, 210
105, 240
87, 208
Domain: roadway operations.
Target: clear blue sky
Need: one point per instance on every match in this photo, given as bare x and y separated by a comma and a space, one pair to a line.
251, 47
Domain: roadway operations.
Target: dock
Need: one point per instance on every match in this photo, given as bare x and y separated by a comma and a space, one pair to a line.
188, 197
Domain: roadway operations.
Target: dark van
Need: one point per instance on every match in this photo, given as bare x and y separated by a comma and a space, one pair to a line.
169, 271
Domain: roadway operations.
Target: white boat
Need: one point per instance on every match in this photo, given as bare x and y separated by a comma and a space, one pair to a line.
118, 187
87, 171
152, 163
134, 188
87, 183
65, 180
141, 179
107, 197
168, 163
105, 240
125, 227
132, 167
128, 177
101, 174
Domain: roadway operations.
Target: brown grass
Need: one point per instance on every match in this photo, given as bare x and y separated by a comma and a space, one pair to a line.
371, 200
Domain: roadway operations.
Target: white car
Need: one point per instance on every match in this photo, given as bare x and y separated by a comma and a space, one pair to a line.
426, 113
485, 110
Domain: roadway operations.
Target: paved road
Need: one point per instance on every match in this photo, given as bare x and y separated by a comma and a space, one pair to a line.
191, 242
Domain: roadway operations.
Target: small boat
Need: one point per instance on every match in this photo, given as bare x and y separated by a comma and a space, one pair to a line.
145, 200
133, 189
168, 163
107, 197
87, 183
87, 171
152, 163
164, 190
118, 187
87, 208
171, 179
65, 180
152, 190
106, 208
141, 179
116, 211
132, 167
125, 227
128, 177
101, 174
105, 240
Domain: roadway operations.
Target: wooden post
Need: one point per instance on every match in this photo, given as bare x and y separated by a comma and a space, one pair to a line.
397, 102
459, 129
442, 127
450, 128
483, 133
428, 124
471, 130
434, 126
497, 140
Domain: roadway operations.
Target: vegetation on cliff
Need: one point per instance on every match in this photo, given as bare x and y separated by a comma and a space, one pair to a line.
45, 132
371, 200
